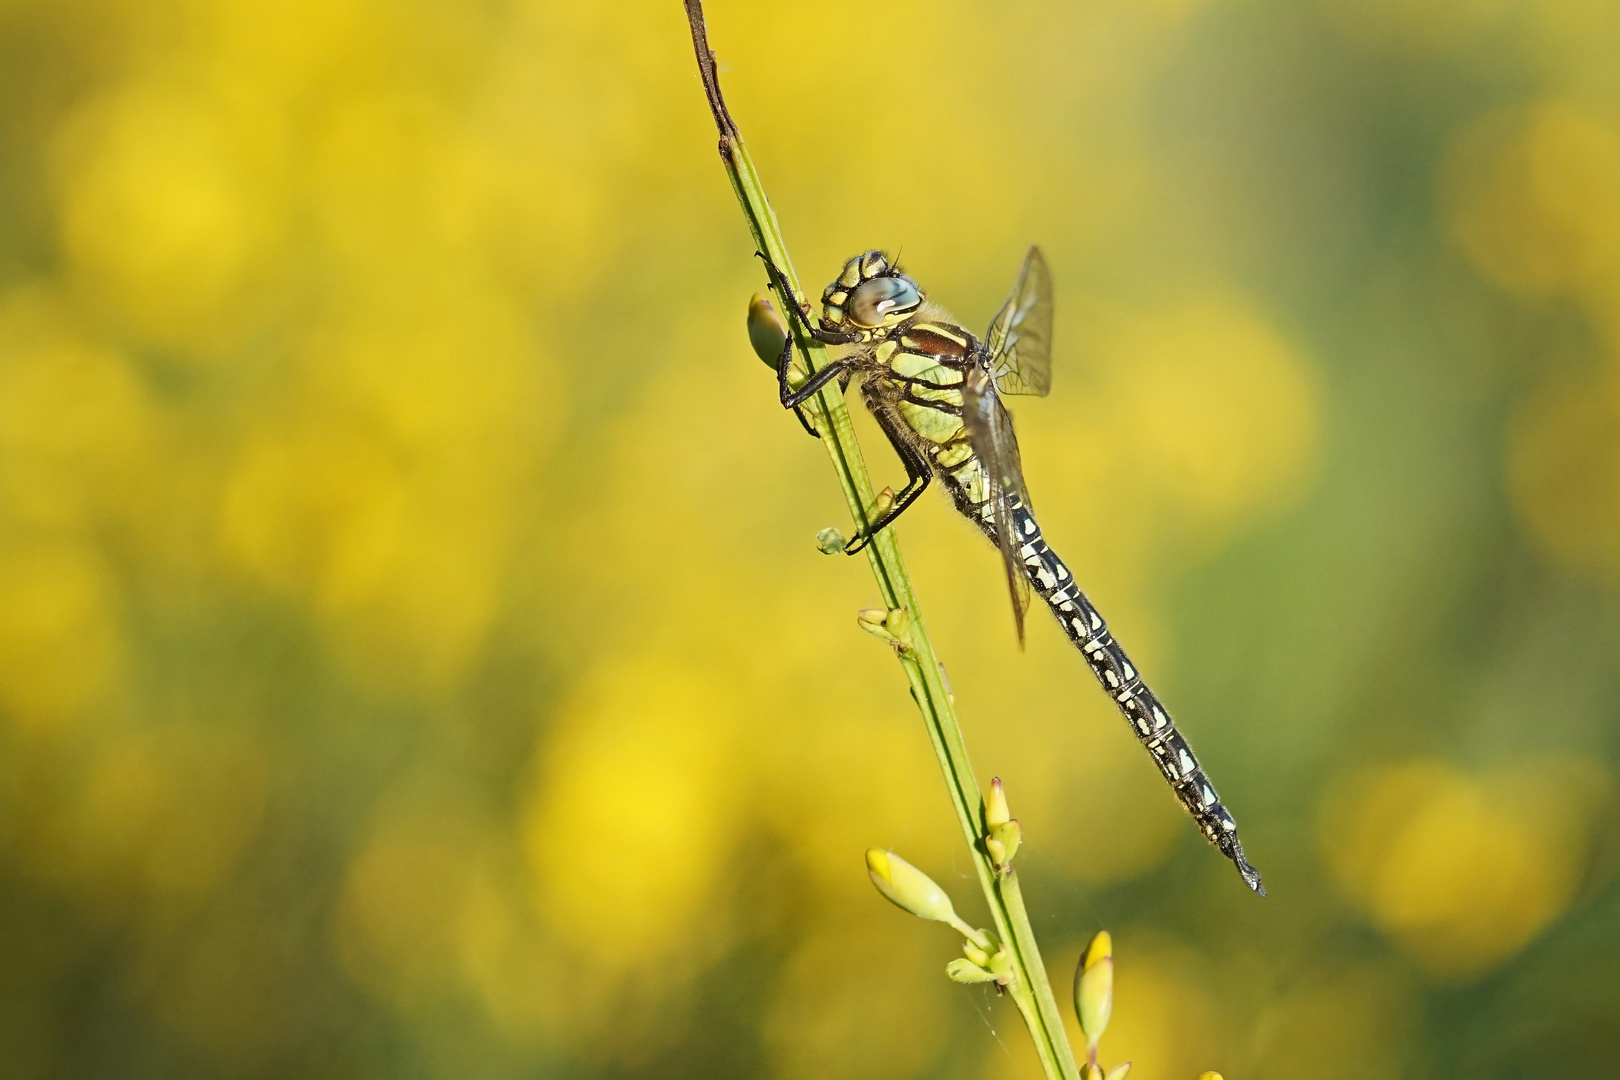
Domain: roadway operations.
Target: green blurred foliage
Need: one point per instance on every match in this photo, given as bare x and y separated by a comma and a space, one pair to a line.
415, 661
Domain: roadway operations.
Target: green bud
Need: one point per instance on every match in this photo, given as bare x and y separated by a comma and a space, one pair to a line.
893, 626
830, 541
1002, 843
882, 503
873, 621
1118, 1072
966, 971
1094, 988
765, 331
979, 956
909, 888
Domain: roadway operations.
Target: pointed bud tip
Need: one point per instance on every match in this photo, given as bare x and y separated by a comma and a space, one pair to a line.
995, 804
1101, 947
1209, 1076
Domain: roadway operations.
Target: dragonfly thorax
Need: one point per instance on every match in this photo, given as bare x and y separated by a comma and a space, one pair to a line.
870, 298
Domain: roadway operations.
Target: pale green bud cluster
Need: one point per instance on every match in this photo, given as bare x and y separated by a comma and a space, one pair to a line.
893, 627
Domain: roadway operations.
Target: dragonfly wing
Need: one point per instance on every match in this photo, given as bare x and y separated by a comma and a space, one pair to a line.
1020, 336
990, 433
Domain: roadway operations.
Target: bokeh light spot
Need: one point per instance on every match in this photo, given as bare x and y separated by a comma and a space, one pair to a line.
1533, 197
1462, 872
1563, 471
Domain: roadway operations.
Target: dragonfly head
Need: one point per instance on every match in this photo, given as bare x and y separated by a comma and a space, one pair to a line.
870, 298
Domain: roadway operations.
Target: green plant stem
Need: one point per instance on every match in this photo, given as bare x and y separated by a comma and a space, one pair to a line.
1030, 987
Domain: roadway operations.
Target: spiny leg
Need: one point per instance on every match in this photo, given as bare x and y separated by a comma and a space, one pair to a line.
918, 472
793, 398
789, 301
783, 363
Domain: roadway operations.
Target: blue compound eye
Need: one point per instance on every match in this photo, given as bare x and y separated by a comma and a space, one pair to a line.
871, 303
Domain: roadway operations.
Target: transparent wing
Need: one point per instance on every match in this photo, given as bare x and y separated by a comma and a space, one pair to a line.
1020, 336
990, 433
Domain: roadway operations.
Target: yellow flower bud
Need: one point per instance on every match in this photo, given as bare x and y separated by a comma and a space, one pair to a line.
1094, 987
765, 331
1209, 1076
1118, 1072
995, 805
909, 888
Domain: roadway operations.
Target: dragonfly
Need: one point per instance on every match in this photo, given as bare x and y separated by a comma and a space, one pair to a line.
936, 392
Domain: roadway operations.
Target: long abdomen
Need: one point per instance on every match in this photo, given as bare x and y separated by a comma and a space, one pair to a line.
1119, 677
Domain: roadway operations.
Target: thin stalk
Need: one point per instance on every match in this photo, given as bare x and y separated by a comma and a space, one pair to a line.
1030, 988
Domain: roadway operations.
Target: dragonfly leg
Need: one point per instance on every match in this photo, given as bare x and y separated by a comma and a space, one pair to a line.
918, 472
791, 398
783, 362
789, 301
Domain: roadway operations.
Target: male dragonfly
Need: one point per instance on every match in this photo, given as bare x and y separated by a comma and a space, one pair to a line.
935, 390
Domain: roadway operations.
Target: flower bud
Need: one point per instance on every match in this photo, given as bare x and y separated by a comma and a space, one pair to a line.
966, 971
1209, 1076
766, 332
995, 804
1094, 987
1118, 1072
893, 626
1002, 843
872, 620
909, 888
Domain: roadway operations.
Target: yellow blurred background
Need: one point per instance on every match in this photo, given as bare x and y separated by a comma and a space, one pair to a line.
415, 660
